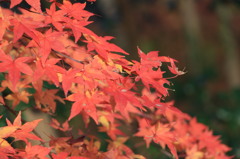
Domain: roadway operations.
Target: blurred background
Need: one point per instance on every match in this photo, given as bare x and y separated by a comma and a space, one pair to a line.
203, 35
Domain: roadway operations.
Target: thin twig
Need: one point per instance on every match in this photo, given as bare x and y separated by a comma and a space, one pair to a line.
167, 153
81, 62
9, 109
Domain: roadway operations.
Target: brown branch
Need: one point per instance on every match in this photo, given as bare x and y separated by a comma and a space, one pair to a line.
9, 109
146, 116
66, 56
168, 154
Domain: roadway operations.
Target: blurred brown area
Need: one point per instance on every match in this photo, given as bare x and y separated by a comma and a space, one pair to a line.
203, 35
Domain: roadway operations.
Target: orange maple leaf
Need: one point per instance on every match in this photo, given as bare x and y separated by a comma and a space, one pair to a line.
23, 132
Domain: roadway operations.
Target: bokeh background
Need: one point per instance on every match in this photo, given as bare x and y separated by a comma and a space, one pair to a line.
203, 35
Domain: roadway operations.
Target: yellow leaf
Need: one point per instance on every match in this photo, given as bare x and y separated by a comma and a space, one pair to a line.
103, 120
119, 67
4, 143
196, 155
138, 157
97, 144
120, 141
6, 131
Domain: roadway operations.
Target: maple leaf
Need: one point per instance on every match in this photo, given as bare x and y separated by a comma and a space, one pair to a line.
14, 67
158, 133
145, 130
212, 143
173, 68
15, 2
47, 99
49, 69
19, 92
26, 23
54, 17
154, 77
86, 103
47, 41
6, 150
151, 78
196, 128
64, 127
112, 131
23, 131
60, 143
78, 28
68, 78
101, 45
35, 151
126, 101
151, 59
7, 131
75, 10
18, 96
33, 3
165, 137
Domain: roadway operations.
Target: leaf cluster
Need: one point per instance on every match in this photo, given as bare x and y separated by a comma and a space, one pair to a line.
41, 63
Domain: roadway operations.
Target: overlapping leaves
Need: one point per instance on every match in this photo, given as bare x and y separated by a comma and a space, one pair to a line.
102, 86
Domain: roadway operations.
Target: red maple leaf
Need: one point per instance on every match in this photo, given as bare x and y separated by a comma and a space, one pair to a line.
78, 28
75, 10
14, 67
68, 79
33, 3
49, 69
46, 42
158, 133
86, 103
102, 46
54, 17
35, 151
173, 68
26, 23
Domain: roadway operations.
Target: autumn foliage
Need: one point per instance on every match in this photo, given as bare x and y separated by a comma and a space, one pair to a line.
87, 71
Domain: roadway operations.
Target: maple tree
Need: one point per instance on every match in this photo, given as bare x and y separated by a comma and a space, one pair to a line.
56, 48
